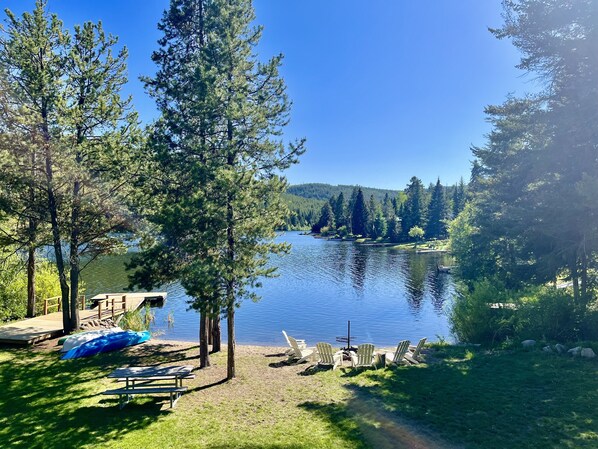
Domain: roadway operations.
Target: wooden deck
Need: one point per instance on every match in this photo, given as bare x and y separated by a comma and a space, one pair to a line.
44, 327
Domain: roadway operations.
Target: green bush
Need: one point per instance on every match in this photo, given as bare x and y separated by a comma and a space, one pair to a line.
472, 318
13, 286
137, 320
549, 314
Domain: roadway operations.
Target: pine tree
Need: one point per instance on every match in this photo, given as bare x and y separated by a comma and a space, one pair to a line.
360, 215
219, 148
414, 206
339, 211
458, 198
437, 209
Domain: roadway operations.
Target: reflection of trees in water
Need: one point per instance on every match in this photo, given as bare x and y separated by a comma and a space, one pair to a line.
439, 283
358, 268
415, 280
339, 261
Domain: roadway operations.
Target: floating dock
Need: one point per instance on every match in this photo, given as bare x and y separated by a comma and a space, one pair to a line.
44, 327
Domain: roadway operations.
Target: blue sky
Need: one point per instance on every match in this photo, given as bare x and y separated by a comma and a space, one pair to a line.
382, 90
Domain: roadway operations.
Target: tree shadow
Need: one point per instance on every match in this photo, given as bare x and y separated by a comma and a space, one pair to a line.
489, 400
50, 403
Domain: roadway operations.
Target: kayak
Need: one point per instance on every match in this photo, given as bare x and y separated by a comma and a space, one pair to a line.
106, 343
72, 341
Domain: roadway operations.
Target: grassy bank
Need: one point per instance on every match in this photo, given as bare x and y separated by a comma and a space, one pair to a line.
463, 399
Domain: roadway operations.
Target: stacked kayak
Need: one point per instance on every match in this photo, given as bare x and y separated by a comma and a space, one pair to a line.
112, 341
75, 340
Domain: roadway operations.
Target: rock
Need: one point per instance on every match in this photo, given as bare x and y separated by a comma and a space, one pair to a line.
575, 352
560, 348
547, 349
588, 353
528, 343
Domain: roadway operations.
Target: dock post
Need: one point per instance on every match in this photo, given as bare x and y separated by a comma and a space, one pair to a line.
100, 309
124, 303
45, 306
113, 308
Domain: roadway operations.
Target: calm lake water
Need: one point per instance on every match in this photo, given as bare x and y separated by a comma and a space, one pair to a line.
388, 295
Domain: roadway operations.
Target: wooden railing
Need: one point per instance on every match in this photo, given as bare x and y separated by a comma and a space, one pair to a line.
55, 302
116, 304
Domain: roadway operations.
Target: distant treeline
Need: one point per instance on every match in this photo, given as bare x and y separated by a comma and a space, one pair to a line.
396, 215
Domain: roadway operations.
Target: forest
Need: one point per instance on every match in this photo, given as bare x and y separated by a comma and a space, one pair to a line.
376, 213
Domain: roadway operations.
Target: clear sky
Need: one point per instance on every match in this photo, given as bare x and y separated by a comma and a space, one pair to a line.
382, 90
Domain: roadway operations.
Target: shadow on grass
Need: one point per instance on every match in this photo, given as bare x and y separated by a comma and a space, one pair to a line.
49, 403
493, 400
339, 417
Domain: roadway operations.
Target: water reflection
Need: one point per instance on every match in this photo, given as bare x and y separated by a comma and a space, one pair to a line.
358, 268
388, 295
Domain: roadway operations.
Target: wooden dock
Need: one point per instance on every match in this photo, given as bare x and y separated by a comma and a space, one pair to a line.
44, 327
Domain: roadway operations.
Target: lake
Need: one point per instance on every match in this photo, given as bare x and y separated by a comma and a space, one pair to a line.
388, 295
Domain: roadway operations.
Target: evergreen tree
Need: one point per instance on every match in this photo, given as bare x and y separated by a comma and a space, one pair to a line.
32, 61
414, 206
372, 206
360, 215
326, 218
219, 151
379, 226
350, 207
458, 198
339, 211
437, 209
531, 182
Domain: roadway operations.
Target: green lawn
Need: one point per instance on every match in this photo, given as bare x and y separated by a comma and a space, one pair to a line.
465, 399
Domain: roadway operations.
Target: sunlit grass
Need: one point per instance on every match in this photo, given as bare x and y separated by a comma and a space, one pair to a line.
467, 397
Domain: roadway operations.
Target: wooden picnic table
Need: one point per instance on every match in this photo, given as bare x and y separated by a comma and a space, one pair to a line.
150, 380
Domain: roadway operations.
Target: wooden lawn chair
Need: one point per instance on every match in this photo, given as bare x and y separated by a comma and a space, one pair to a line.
398, 357
300, 343
364, 357
413, 355
327, 356
299, 355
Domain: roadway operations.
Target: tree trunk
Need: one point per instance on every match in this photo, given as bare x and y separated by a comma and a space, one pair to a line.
204, 352
584, 279
32, 237
31, 281
574, 279
230, 326
216, 334
53, 210
74, 254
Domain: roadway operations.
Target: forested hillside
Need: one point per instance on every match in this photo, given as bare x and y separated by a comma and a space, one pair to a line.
308, 212
325, 191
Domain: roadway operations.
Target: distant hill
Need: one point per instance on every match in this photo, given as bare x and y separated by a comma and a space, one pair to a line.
319, 191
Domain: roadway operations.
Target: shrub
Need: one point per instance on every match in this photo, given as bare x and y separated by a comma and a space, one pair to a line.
472, 318
547, 313
137, 320
13, 286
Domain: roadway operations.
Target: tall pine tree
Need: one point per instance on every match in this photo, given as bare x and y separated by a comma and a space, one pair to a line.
218, 146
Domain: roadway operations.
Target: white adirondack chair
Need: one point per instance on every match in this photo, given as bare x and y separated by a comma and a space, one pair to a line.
412, 355
327, 356
300, 343
364, 356
398, 357
299, 355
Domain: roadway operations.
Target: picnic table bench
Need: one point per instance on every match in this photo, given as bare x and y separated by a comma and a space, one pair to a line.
150, 380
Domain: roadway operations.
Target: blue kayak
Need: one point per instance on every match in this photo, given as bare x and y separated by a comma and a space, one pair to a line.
107, 343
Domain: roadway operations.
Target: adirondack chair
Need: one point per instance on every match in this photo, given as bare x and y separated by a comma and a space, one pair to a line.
413, 354
398, 357
327, 356
299, 355
300, 343
364, 356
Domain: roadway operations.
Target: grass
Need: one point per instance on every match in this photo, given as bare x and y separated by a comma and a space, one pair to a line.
424, 244
466, 398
